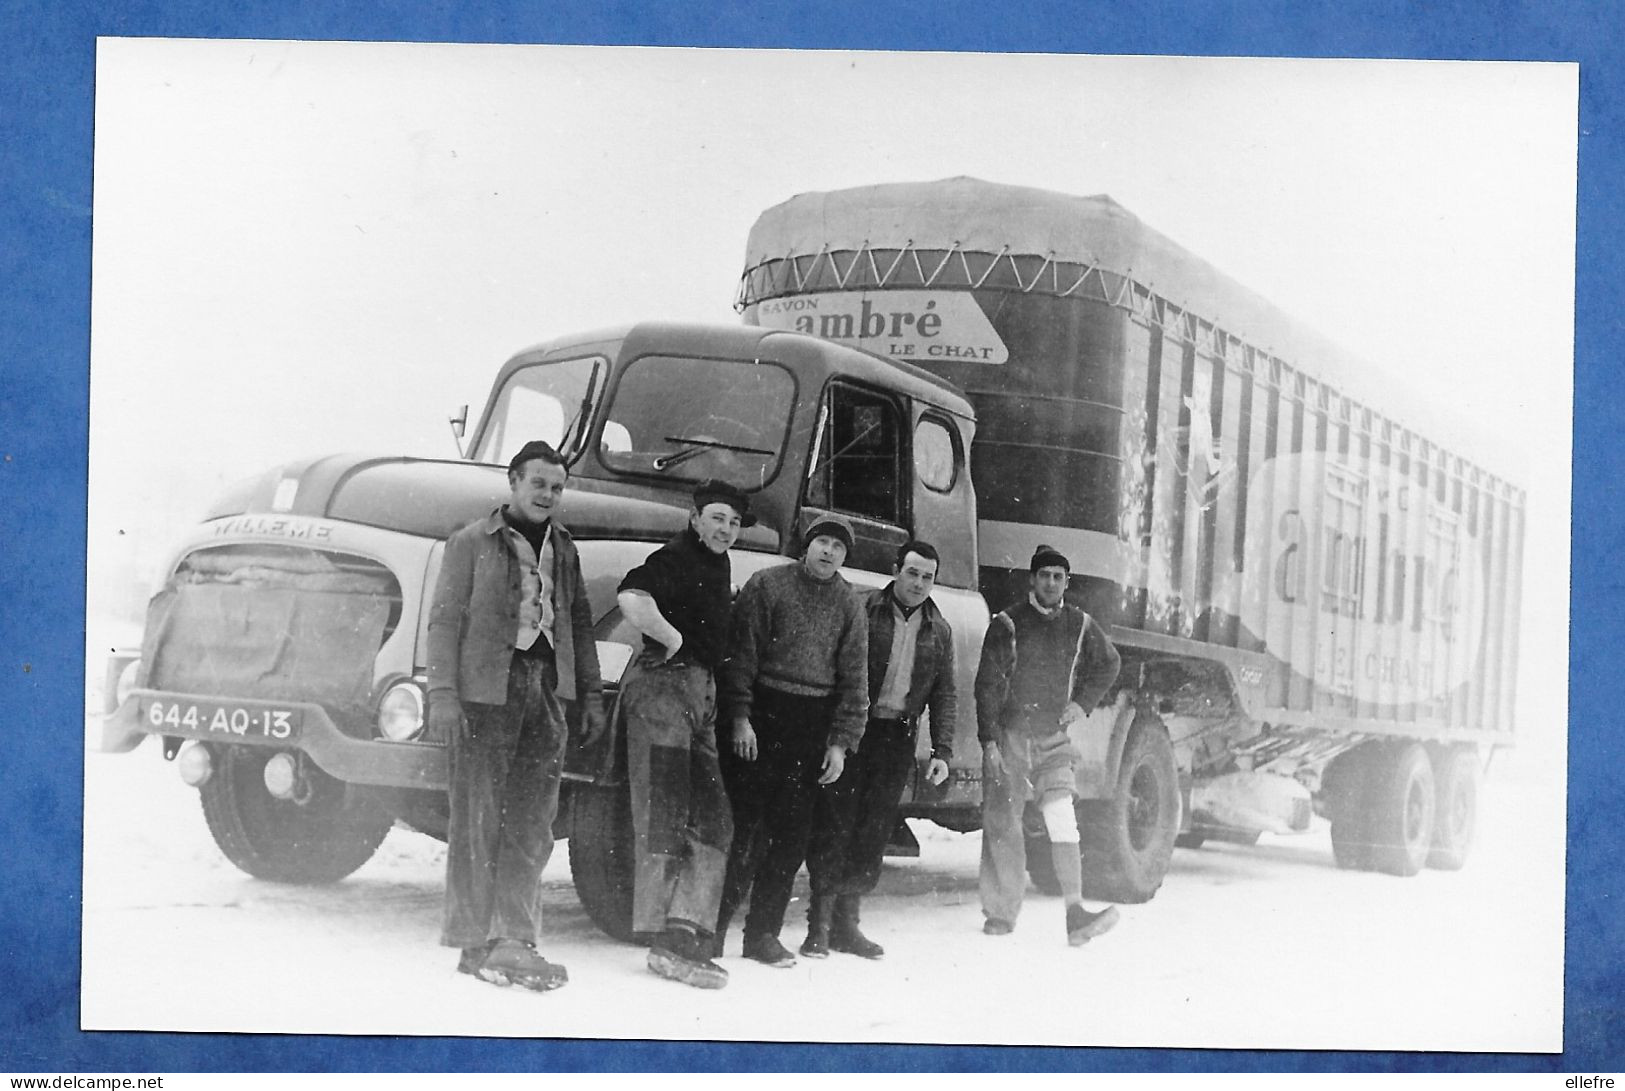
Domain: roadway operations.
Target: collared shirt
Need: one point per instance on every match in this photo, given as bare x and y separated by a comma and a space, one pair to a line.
892, 701
535, 587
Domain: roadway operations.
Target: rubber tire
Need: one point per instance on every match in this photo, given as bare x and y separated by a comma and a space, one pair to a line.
1401, 802
1345, 789
322, 840
601, 856
1128, 840
1458, 779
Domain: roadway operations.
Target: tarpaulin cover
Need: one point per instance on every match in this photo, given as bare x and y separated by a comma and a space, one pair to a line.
254, 640
985, 217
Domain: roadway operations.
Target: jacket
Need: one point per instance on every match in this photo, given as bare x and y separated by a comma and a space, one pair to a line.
932, 681
1093, 666
474, 617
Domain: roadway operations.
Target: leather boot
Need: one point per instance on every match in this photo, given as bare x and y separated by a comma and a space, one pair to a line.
819, 912
844, 934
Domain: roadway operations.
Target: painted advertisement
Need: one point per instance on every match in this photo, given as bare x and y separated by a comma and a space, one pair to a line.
1364, 584
917, 326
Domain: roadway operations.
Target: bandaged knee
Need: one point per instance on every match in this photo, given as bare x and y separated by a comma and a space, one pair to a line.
1060, 820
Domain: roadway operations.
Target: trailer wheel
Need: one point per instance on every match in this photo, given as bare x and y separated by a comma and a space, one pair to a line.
601, 850
1348, 805
1402, 801
331, 829
1455, 819
1128, 840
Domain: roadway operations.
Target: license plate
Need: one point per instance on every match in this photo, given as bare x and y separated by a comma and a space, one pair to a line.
221, 719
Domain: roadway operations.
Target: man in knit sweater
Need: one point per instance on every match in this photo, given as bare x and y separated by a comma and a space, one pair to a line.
1045, 664
795, 692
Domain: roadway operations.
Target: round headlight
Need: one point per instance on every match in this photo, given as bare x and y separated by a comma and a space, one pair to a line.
126, 681
400, 713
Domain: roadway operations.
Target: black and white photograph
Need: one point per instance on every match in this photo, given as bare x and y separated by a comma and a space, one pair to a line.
597, 542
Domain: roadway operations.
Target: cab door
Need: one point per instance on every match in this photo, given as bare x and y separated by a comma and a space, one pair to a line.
857, 469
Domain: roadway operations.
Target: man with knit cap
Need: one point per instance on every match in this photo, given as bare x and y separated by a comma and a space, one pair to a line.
682, 824
795, 694
1045, 663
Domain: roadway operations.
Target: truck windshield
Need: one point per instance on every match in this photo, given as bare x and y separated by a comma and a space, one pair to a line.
691, 419
550, 401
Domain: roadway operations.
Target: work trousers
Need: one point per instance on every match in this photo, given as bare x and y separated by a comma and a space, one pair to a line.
504, 795
772, 801
853, 818
1035, 767
680, 815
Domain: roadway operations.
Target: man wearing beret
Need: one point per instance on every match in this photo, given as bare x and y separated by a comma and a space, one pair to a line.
679, 600
510, 637
795, 692
1045, 663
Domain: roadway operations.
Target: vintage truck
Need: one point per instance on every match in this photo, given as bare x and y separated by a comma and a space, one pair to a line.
1316, 604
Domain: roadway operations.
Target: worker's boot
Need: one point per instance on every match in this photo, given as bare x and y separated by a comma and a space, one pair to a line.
819, 913
844, 934
1083, 926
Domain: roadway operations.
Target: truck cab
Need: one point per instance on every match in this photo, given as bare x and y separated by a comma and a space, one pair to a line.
283, 662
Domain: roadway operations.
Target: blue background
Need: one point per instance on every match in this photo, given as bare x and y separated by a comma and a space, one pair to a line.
47, 56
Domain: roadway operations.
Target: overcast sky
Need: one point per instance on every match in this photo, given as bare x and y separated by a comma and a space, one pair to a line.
308, 247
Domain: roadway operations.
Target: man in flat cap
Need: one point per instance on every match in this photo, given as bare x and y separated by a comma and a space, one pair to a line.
1045, 663
679, 600
510, 637
795, 693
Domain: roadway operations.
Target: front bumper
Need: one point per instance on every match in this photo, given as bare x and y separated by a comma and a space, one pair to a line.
358, 761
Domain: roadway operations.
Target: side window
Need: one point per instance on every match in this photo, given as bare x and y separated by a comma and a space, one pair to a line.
855, 461
934, 461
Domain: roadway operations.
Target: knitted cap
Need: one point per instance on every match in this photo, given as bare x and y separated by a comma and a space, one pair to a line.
833, 525
1049, 557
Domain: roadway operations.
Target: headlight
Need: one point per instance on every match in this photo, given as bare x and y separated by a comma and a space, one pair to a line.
118, 678
400, 713
126, 680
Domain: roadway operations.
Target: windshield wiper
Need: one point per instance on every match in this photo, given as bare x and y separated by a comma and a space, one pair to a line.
692, 447
566, 438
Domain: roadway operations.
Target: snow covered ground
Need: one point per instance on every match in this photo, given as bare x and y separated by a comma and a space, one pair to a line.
1269, 946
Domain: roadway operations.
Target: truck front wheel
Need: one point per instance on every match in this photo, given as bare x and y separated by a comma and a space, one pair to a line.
601, 848
1128, 839
325, 832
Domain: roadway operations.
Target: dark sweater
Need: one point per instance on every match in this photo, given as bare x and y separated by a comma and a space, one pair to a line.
691, 586
798, 635
1034, 664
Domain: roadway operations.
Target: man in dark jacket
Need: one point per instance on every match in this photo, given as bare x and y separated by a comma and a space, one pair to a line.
795, 692
510, 637
679, 600
911, 668
1045, 664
